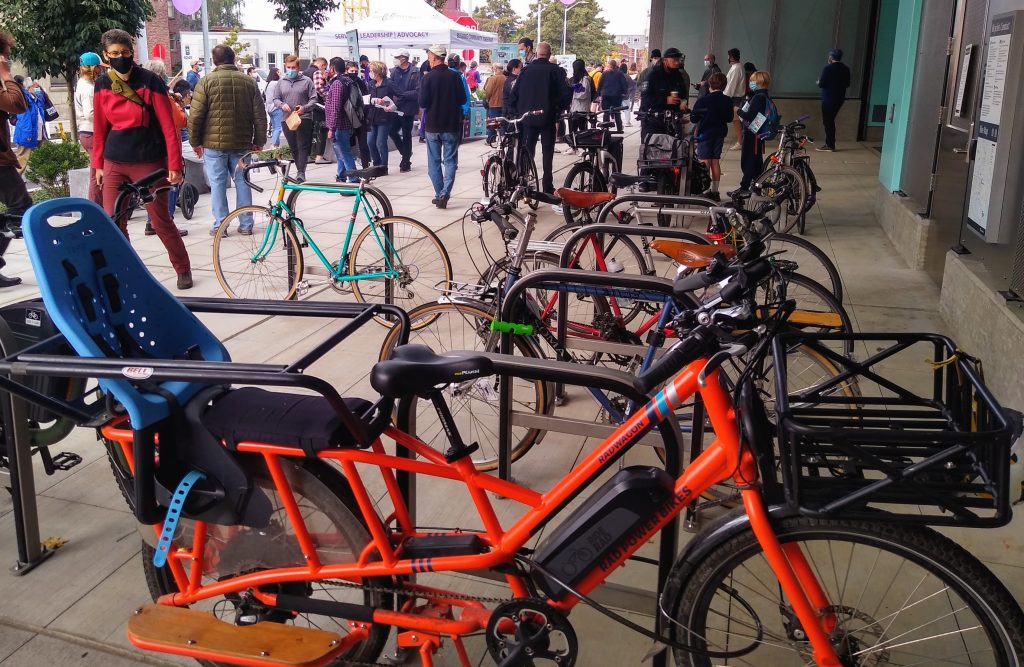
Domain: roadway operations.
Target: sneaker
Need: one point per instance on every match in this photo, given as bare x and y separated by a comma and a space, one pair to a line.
245, 231
300, 178
423, 140
736, 146
557, 208
442, 202
713, 195
213, 232
825, 149
7, 281
185, 280
404, 168
435, 200
741, 193
182, 232
149, 229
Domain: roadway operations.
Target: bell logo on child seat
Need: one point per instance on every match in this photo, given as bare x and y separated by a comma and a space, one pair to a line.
137, 372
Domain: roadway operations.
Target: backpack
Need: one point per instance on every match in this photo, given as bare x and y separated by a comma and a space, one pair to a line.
769, 129
353, 106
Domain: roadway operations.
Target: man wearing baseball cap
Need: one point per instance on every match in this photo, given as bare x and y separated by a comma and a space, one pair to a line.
442, 94
834, 81
666, 88
405, 81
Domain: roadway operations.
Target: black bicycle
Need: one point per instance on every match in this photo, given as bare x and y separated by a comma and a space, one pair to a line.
510, 166
601, 156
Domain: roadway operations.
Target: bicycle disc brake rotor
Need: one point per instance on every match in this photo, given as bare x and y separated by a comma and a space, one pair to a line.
857, 638
528, 633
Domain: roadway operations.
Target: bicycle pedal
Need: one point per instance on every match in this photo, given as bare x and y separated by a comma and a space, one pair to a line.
66, 461
302, 288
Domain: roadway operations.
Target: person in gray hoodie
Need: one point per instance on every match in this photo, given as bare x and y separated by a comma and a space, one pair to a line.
295, 93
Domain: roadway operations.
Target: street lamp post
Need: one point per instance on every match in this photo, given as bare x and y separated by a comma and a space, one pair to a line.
569, 4
540, 5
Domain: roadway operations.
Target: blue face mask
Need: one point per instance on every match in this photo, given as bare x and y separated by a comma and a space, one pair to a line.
753, 86
522, 53
291, 73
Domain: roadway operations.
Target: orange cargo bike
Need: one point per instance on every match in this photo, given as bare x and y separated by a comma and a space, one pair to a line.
280, 533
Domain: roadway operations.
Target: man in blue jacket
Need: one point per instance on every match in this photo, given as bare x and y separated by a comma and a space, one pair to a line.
612, 90
442, 95
405, 80
834, 81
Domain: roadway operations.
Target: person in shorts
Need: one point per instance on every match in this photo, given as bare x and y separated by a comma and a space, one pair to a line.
712, 114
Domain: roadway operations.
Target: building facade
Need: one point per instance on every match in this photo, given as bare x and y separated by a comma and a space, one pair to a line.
164, 29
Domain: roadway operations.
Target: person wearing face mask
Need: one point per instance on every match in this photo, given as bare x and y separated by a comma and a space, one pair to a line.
834, 81
666, 88
405, 82
295, 94
133, 136
13, 193
362, 133
736, 90
88, 70
193, 73
526, 53
752, 151
710, 67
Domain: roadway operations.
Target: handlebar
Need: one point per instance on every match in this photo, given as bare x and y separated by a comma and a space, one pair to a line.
516, 121
273, 164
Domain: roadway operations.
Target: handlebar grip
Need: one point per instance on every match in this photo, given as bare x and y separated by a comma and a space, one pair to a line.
508, 230
149, 179
748, 279
680, 354
543, 197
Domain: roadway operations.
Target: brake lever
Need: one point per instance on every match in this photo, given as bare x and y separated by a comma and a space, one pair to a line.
719, 358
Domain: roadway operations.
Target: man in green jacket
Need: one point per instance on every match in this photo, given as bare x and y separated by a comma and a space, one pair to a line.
227, 121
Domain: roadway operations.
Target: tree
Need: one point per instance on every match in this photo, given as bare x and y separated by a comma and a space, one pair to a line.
301, 15
239, 47
50, 35
586, 36
499, 17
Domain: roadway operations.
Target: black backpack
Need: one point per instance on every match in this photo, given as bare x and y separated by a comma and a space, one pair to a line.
352, 106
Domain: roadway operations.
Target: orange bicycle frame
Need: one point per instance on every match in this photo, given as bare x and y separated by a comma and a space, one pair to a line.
727, 457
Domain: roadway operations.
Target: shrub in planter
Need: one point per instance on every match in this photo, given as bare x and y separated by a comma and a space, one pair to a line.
282, 153
50, 163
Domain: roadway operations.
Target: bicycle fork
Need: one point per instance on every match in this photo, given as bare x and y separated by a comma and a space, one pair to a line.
798, 581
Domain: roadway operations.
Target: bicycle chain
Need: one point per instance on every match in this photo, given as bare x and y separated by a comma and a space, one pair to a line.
402, 591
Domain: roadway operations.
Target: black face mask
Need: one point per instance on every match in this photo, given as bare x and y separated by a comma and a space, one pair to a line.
122, 64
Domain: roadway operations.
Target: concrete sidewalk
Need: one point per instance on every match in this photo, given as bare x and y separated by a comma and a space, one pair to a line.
73, 609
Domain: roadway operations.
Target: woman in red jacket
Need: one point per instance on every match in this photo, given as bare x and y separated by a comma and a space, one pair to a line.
134, 135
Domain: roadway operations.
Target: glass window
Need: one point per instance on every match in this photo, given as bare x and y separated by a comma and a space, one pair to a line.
853, 39
170, 10
272, 59
743, 25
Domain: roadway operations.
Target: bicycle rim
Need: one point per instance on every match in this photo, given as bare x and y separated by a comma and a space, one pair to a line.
898, 595
785, 215
474, 404
406, 261
266, 264
808, 259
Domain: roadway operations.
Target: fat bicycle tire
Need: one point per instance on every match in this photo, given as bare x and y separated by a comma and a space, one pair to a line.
417, 415
424, 264
276, 275
327, 503
896, 574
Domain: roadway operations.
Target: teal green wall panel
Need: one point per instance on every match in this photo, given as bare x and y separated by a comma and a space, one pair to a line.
888, 14
904, 59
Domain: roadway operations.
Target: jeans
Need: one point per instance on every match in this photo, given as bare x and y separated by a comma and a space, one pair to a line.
276, 118
612, 103
401, 134
492, 112
442, 146
343, 152
546, 134
364, 149
220, 166
829, 111
378, 143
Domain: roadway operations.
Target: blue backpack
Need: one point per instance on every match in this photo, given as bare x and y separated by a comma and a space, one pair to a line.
773, 119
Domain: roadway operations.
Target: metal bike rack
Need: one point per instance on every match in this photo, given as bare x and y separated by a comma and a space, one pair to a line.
698, 205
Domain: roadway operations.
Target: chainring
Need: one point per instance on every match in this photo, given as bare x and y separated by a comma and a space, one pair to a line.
528, 632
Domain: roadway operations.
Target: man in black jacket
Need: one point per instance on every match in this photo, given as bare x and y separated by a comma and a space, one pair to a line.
405, 80
442, 94
834, 81
666, 88
612, 90
710, 67
541, 86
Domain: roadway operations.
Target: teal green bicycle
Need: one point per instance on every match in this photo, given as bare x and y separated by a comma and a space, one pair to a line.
393, 259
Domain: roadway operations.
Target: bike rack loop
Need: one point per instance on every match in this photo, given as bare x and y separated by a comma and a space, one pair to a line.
664, 200
668, 544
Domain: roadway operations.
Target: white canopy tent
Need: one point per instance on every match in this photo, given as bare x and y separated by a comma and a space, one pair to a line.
415, 25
